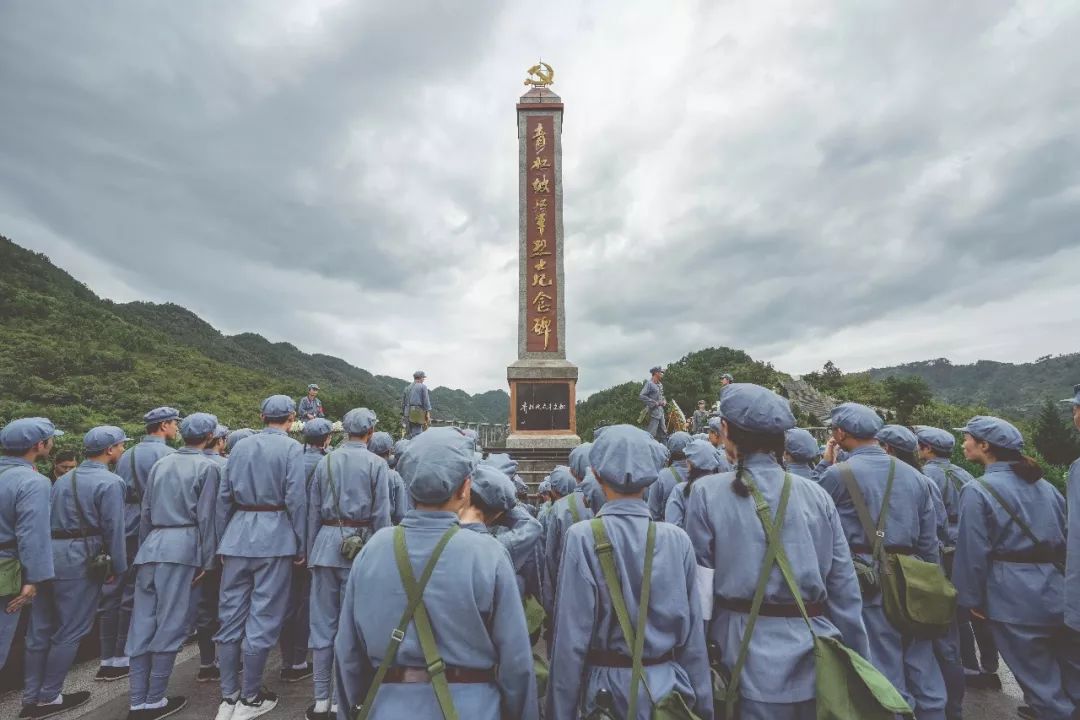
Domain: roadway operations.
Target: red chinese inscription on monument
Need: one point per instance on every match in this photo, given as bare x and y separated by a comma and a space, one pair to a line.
541, 277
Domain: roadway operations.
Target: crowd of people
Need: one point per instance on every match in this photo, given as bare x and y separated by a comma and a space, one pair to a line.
742, 571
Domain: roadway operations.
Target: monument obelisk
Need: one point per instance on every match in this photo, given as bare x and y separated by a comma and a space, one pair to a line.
542, 381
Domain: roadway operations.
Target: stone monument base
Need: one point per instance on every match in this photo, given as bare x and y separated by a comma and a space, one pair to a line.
543, 396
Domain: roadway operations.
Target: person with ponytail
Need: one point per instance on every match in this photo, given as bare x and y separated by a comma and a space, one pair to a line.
777, 679
702, 459
800, 452
1010, 553
910, 527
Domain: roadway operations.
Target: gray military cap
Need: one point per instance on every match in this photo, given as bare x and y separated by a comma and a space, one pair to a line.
899, 437
381, 443
703, 456
626, 458
435, 464
358, 421
856, 420
103, 437
800, 445
161, 414
493, 488
317, 427
198, 424
25, 433
236, 436
277, 406
995, 431
756, 409
936, 438
562, 480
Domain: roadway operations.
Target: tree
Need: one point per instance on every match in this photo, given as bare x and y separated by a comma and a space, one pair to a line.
905, 394
1053, 438
829, 379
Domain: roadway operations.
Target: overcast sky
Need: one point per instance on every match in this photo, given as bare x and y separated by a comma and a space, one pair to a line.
871, 183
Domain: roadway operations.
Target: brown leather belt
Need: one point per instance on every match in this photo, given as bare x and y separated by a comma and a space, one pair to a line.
813, 609
345, 522
260, 508
894, 549
9, 545
609, 658
1033, 557
954, 519
409, 675
74, 534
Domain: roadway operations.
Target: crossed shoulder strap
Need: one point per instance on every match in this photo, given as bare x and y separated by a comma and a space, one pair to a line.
572, 504
415, 612
635, 636
1024, 527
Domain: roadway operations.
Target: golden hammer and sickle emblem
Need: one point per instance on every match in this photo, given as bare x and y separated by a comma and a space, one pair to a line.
540, 75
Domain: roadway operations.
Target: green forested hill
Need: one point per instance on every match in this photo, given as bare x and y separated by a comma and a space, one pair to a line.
82, 361
694, 377
1018, 389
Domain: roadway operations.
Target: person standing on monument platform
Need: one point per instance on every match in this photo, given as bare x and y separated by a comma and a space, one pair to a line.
1072, 561
88, 548
910, 529
24, 518
118, 596
293, 642
177, 550
310, 405
1010, 563
416, 406
262, 525
777, 676
597, 619
652, 396
470, 627
348, 501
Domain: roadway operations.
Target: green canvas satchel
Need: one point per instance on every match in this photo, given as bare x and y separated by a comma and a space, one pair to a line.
847, 687
415, 612
672, 706
10, 567
534, 614
917, 598
417, 415
352, 544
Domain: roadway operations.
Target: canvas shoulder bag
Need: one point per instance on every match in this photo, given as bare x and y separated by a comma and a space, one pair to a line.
918, 599
97, 565
351, 545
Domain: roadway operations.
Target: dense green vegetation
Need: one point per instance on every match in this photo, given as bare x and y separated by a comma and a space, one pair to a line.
692, 378
906, 400
1050, 438
1019, 389
83, 361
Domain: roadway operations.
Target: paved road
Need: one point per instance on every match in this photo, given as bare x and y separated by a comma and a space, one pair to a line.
109, 701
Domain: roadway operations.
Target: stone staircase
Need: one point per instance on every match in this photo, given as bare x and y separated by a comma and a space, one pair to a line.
535, 464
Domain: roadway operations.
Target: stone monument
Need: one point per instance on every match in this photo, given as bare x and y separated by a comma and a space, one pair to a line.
542, 382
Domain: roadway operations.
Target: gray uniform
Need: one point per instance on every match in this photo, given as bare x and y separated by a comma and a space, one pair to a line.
262, 516
362, 482
585, 620
652, 395
416, 396
63, 611
178, 540
912, 522
118, 596
559, 521
24, 533
475, 610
